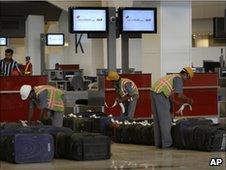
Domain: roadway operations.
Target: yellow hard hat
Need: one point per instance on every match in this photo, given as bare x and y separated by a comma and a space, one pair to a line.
189, 71
112, 76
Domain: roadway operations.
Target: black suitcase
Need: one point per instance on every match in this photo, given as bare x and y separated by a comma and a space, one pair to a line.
50, 129
104, 123
182, 129
118, 133
76, 124
89, 125
62, 146
208, 138
46, 121
147, 133
29, 148
83, 146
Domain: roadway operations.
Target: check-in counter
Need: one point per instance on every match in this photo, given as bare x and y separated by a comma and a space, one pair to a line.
203, 89
143, 108
12, 108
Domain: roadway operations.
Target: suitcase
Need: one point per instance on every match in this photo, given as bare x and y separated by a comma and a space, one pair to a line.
111, 130
147, 134
4, 133
104, 123
208, 138
76, 124
62, 145
88, 125
83, 146
137, 135
184, 128
127, 131
46, 121
11, 125
29, 148
52, 130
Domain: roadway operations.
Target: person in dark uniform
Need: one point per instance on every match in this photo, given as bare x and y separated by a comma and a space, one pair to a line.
8, 65
161, 92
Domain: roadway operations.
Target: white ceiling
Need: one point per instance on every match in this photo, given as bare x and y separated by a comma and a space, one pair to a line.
200, 9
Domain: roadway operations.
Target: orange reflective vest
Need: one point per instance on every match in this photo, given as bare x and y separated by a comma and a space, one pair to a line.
54, 97
121, 89
165, 85
28, 69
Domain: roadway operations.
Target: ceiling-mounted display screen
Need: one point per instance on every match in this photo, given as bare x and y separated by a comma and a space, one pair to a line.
218, 28
3, 41
55, 39
88, 19
141, 20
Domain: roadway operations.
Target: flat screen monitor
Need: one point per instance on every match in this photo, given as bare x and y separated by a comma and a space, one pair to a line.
55, 39
140, 20
3, 41
218, 28
209, 66
88, 20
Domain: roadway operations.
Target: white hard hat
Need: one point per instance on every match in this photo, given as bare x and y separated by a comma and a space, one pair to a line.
25, 91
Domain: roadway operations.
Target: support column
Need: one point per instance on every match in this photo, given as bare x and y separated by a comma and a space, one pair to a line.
111, 40
125, 53
176, 36
34, 27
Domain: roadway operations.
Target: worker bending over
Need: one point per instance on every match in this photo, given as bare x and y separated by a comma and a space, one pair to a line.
48, 98
126, 91
161, 92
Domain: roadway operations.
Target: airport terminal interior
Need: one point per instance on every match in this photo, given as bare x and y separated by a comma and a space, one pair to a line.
108, 84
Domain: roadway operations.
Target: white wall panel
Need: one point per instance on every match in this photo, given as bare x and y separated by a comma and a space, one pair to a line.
175, 36
211, 53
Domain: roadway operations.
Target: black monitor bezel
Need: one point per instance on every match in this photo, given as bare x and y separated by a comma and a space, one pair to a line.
70, 12
120, 14
5, 41
47, 44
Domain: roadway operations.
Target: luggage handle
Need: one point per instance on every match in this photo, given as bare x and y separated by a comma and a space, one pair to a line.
180, 110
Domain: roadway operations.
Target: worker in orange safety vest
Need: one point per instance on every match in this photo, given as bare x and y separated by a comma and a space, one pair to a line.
161, 92
126, 91
28, 67
48, 98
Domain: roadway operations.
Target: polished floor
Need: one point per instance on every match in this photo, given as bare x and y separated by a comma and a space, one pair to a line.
126, 156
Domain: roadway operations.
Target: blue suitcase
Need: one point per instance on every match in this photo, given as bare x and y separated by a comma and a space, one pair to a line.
4, 133
29, 148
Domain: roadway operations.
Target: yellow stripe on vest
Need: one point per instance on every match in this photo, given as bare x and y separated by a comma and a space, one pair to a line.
165, 85
54, 97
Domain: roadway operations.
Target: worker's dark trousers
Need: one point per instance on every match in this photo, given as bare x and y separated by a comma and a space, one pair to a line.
130, 107
162, 120
56, 117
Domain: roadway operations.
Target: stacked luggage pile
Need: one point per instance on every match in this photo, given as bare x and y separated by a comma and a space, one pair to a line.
118, 129
41, 143
189, 133
88, 137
